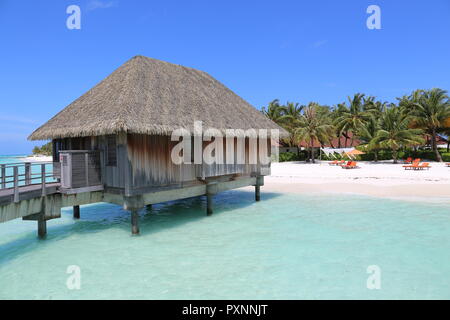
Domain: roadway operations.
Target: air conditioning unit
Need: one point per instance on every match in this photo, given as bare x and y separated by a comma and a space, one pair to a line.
80, 171
65, 159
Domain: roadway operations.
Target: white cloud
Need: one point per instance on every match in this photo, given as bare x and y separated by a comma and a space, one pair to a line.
97, 4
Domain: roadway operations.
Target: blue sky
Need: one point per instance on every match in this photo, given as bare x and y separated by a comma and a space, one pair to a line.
292, 50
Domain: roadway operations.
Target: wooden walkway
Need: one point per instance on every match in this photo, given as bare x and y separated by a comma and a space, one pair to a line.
27, 192
26, 180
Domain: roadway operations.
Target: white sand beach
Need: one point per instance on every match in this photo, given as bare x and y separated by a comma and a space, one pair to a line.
383, 179
37, 158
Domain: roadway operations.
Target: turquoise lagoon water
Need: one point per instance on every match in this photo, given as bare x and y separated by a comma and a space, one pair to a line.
285, 247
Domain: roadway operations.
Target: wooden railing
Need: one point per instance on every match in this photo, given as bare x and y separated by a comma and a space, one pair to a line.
17, 175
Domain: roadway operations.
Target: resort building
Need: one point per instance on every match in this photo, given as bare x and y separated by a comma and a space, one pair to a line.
116, 144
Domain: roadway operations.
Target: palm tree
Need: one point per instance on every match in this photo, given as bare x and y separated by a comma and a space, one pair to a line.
338, 110
395, 132
313, 126
374, 107
352, 118
429, 110
367, 134
291, 113
274, 111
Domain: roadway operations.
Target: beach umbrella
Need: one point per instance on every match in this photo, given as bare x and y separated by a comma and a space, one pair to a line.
355, 152
352, 154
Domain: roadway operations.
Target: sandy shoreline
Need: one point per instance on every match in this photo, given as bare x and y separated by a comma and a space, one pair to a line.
37, 159
385, 180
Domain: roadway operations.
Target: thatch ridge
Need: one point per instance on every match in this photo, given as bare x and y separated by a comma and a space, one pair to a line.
149, 96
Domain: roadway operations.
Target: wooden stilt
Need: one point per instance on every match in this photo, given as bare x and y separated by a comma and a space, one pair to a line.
209, 204
76, 212
42, 228
257, 193
211, 189
134, 222
259, 183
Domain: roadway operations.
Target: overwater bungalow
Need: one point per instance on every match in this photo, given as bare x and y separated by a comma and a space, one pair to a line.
116, 144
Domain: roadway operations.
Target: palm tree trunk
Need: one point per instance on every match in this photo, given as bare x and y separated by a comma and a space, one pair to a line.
375, 156
448, 145
394, 155
312, 151
434, 146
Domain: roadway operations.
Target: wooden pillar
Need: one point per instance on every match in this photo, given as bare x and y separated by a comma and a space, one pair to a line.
133, 205
257, 193
211, 189
42, 228
209, 204
76, 212
258, 184
134, 221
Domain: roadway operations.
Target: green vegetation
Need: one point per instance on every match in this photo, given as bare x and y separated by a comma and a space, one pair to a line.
312, 126
45, 150
385, 130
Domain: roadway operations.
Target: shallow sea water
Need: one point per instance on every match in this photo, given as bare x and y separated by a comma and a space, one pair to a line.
285, 247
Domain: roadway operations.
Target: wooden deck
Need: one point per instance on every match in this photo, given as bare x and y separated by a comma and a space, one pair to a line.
34, 195
27, 192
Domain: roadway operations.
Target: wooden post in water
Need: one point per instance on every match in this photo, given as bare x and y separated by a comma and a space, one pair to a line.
211, 189
42, 227
133, 205
76, 212
259, 183
209, 204
134, 222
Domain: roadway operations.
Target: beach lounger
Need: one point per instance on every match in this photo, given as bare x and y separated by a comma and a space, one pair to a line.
350, 165
343, 164
422, 166
408, 160
413, 165
336, 162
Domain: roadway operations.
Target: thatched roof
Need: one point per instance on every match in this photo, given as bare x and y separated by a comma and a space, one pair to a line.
149, 96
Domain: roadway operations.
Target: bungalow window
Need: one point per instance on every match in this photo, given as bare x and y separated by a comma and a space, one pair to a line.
111, 151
